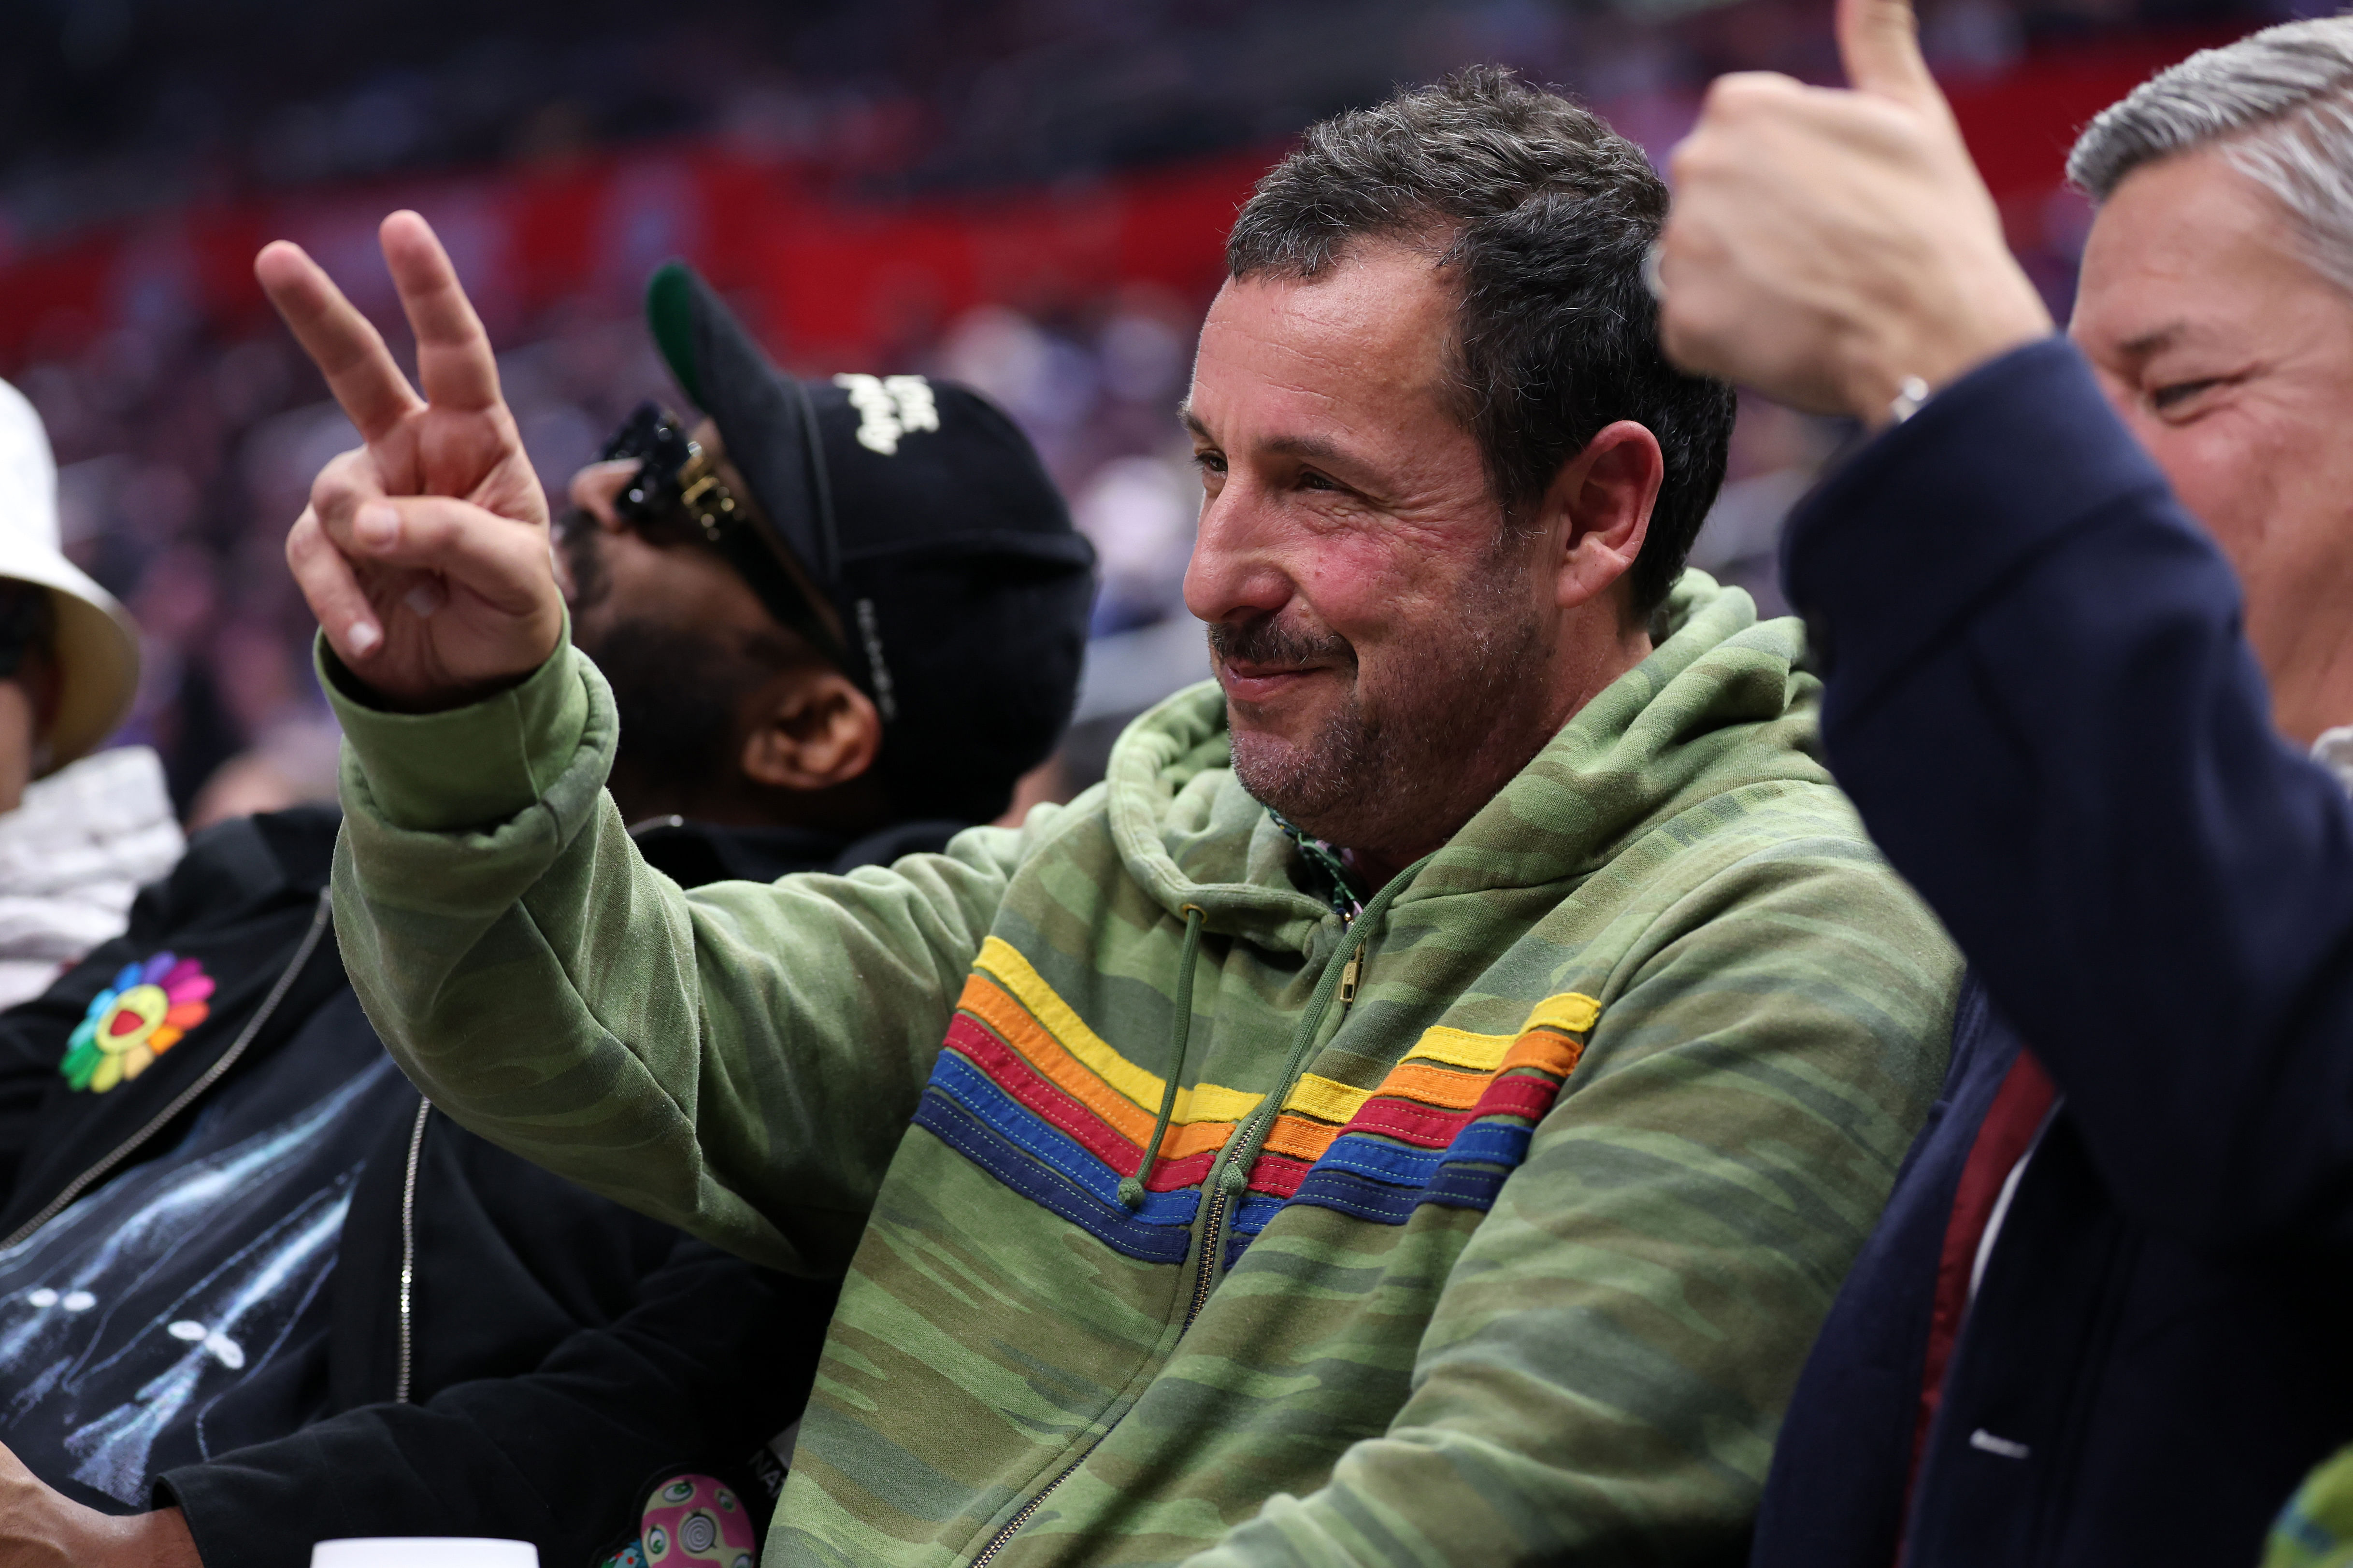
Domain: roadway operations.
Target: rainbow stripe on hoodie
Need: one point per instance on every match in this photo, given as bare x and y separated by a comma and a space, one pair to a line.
1029, 1093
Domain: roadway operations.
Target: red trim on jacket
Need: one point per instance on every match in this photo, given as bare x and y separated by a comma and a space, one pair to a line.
2008, 1132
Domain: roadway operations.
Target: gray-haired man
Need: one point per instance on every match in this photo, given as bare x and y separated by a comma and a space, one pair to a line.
2070, 690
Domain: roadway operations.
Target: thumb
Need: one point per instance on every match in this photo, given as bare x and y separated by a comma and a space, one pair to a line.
1879, 43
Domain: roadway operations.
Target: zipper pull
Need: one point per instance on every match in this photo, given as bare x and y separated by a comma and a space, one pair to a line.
1353, 972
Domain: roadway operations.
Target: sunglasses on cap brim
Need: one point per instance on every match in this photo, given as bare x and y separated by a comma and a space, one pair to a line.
678, 495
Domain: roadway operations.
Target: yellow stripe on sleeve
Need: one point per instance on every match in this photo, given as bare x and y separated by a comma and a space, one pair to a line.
1461, 1049
1571, 1011
1325, 1099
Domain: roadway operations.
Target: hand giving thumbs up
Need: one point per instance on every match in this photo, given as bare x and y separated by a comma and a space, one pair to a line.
1835, 249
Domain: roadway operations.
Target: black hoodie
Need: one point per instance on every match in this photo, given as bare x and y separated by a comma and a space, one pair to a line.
551, 1355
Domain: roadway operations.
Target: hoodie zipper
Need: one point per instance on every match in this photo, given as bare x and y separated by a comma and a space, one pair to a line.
996, 1543
1213, 1235
1212, 1232
409, 1250
188, 1096
1213, 1227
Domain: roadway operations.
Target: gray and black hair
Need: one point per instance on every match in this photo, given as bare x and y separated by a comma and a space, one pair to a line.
1544, 213
2279, 103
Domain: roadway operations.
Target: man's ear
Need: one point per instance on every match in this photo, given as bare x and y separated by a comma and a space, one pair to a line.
810, 728
1599, 509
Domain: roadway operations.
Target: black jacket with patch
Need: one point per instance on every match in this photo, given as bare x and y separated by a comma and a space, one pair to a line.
551, 1356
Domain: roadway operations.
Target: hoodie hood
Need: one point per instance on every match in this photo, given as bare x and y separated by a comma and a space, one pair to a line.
1720, 705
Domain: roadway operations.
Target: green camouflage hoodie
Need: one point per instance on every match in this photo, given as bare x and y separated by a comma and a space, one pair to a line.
1488, 1226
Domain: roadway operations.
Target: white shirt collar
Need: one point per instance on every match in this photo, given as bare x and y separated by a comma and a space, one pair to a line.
2334, 751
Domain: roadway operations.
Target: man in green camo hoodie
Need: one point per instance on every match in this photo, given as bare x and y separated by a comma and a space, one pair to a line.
1416, 1109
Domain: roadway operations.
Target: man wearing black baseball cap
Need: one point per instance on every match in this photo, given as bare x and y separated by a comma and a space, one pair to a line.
840, 617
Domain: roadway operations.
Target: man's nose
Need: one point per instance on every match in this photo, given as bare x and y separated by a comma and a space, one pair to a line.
1235, 571
594, 487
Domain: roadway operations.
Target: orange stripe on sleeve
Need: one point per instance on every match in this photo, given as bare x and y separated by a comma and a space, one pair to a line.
985, 1001
1300, 1137
1435, 1085
1545, 1050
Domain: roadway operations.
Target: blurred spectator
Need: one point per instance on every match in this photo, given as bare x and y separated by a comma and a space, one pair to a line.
2079, 609
1140, 512
78, 833
1777, 453
293, 763
189, 433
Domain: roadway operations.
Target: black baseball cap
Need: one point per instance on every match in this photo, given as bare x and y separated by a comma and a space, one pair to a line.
922, 516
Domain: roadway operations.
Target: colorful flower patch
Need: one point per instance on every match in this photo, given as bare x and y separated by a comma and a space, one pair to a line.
137, 1018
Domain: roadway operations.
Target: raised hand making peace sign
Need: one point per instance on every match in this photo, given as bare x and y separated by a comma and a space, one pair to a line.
425, 552
1832, 247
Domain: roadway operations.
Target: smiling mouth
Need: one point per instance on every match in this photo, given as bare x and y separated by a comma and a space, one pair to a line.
1262, 659
1249, 682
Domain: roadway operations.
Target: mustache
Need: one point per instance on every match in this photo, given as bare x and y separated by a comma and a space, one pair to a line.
1271, 640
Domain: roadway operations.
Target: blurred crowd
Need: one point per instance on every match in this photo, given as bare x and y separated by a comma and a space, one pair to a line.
185, 440
182, 458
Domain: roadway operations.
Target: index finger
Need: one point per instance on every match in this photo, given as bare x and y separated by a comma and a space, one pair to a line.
347, 349
454, 360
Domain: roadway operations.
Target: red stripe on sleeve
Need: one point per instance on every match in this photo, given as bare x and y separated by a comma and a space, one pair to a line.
1017, 1078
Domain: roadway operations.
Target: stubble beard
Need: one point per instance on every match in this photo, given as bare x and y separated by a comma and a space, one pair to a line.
1405, 775
675, 689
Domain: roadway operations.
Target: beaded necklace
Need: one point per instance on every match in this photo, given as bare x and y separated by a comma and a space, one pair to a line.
1340, 890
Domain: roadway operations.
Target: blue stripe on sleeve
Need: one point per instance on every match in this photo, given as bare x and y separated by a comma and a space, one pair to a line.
990, 1150
959, 1078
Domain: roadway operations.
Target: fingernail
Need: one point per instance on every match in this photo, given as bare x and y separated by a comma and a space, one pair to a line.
426, 598
364, 638
377, 525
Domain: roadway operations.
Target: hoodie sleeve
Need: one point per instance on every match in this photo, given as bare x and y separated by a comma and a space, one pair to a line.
739, 1061
1607, 1367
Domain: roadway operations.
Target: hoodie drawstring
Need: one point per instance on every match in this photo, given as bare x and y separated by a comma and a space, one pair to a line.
1131, 1188
1243, 1152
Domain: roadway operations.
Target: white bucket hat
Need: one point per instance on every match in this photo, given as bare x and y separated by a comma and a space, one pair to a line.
96, 647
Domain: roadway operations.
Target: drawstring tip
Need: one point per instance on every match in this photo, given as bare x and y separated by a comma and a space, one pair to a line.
1131, 1192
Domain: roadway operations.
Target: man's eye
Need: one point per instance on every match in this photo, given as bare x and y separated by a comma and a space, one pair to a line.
2175, 394
1210, 462
1309, 480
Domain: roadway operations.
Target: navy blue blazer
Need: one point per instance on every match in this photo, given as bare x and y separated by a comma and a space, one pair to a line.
2040, 699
